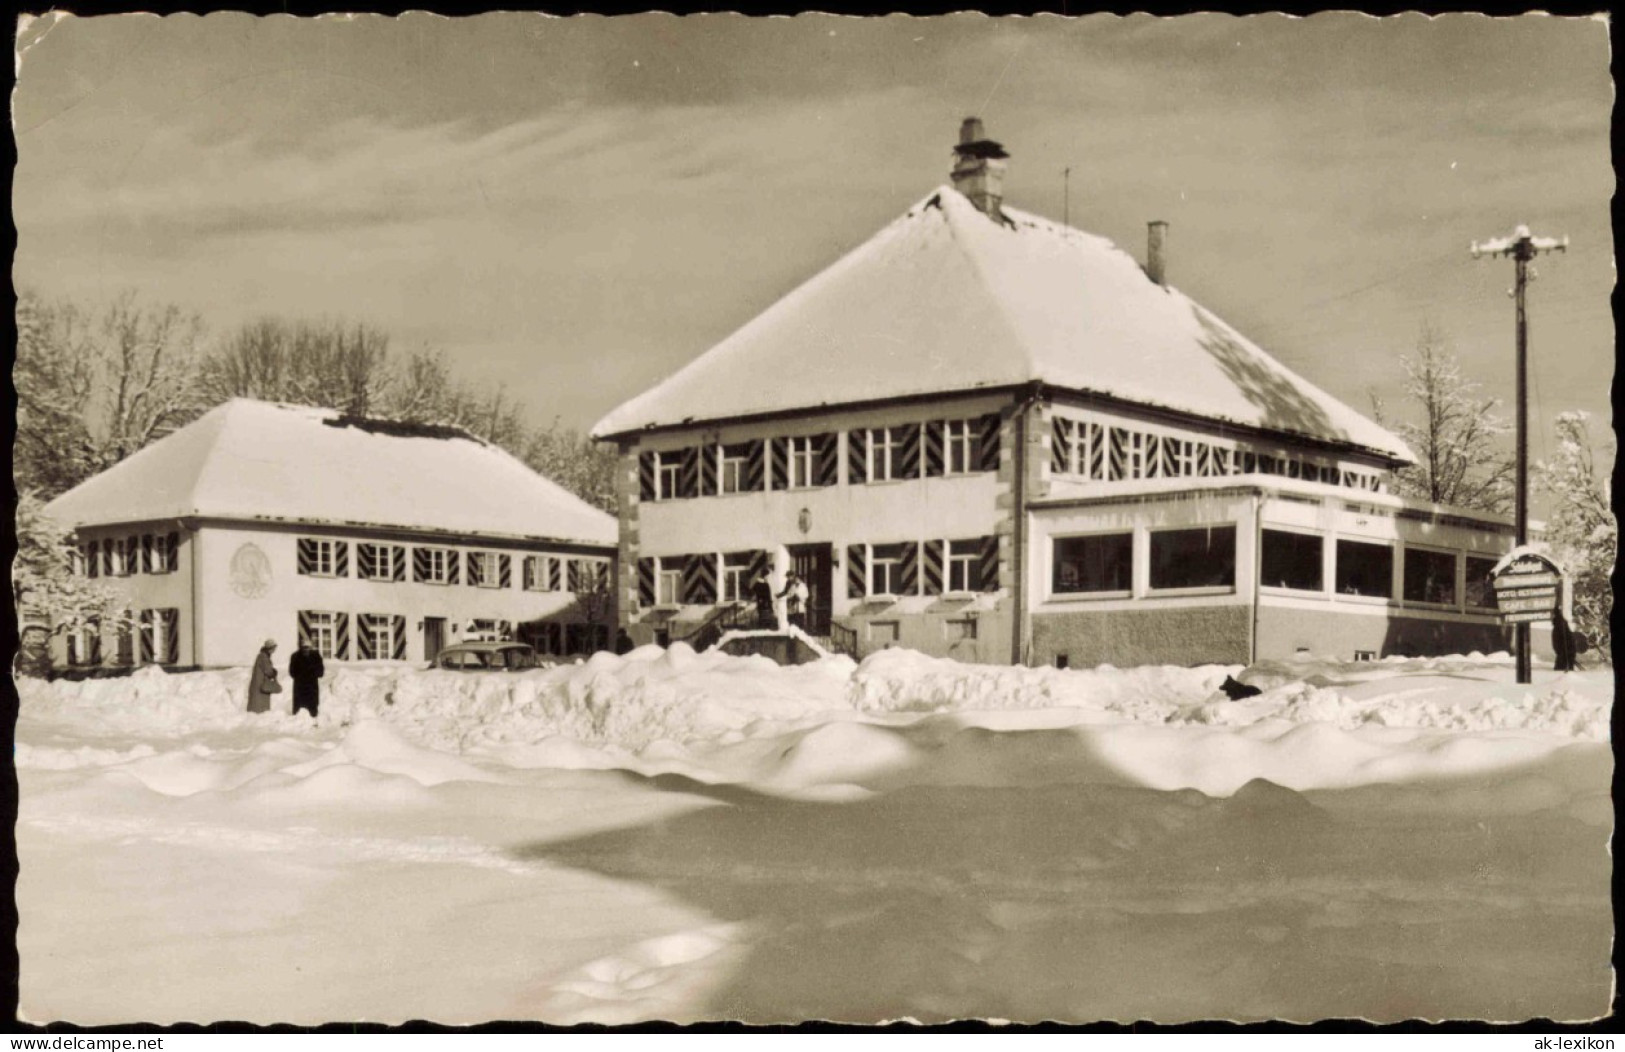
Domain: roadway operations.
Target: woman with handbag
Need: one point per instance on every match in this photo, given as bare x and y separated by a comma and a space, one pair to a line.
262, 682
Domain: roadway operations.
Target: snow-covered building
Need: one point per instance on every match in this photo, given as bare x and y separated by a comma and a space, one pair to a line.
375, 539
986, 435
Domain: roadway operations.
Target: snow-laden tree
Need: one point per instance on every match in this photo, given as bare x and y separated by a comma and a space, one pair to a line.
1455, 433
582, 466
48, 592
1581, 529
95, 386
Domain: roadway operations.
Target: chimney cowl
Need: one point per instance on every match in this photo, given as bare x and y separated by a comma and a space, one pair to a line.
978, 170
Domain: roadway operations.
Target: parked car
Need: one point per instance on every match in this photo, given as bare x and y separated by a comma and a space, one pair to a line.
486, 657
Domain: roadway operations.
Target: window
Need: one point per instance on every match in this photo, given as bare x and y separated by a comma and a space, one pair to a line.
541, 573
85, 644
485, 569
1364, 568
93, 559
735, 467
1201, 558
320, 557
1479, 593
1430, 577
959, 630
886, 570
588, 575
118, 561
434, 566
963, 557
1102, 563
883, 450
327, 632
885, 633
378, 562
123, 642
669, 583
1291, 560
669, 474
380, 637
960, 442
736, 577
158, 551
160, 636
803, 460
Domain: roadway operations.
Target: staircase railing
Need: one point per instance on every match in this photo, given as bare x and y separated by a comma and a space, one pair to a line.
723, 619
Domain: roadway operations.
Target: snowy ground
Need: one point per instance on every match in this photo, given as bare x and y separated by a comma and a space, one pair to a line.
681, 836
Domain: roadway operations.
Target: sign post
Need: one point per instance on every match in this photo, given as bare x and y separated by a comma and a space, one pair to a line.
1528, 587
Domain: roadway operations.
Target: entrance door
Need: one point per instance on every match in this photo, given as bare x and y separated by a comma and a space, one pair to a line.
812, 563
434, 637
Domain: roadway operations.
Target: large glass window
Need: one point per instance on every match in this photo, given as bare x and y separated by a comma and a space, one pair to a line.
669, 584
963, 558
1201, 558
1430, 577
1291, 560
735, 464
960, 446
1479, 592
886, 570
1102, 563
883, 443
736, 576
803, 458
376, 562
669, 474
1365, 568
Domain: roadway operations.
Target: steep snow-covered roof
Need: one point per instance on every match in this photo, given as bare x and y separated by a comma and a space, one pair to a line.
947, 299
258, 460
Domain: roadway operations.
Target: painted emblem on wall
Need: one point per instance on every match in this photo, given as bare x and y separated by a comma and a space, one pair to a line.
250, 572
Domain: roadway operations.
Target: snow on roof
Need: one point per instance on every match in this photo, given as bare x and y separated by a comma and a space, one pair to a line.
258, 460
946, 299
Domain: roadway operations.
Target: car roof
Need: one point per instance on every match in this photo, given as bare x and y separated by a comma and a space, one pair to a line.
486, 645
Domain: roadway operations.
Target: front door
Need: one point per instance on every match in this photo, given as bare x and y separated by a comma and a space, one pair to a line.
813, 563
434, 637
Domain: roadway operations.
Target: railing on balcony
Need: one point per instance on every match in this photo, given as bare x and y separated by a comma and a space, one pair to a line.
843, 640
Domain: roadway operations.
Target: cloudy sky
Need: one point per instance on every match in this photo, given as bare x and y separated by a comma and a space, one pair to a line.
573, 208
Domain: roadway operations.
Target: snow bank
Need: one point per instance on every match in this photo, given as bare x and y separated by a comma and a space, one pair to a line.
651, 699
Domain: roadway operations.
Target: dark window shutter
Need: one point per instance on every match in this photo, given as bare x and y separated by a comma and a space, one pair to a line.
708, 469
987, 565
132, 555
755, 466
935, 553
688, 476
987, 452
93, 560
828, 470
908, 569
341, 559
172, 553
505, 571
646, 476
1060, 446
398, 562
555, 574
93, 651
761, 562
857, 456
646, 582
781, 462
147, 565
398, 631
146, 637
454, 565
857, 571
907, 455
935, 455
107, 557
700, 579
341, 636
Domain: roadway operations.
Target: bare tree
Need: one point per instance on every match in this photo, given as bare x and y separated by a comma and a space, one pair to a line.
52, 451
332, 364
145, 365
582, 466
1455, 434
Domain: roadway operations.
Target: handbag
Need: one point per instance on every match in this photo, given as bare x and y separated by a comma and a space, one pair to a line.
273, 685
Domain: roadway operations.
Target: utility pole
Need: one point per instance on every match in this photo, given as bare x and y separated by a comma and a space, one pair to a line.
1522, 248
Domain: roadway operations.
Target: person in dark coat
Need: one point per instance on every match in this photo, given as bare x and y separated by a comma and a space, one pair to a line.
762, 593
262, 682
623, 642
305, 669
1562, 641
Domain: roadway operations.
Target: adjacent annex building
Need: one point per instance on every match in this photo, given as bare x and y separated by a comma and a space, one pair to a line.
376, 540
986, 435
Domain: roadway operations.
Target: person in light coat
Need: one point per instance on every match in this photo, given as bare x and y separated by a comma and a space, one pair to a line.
262, 682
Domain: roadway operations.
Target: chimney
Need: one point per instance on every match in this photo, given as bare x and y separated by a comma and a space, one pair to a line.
979, 168
1155, 265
